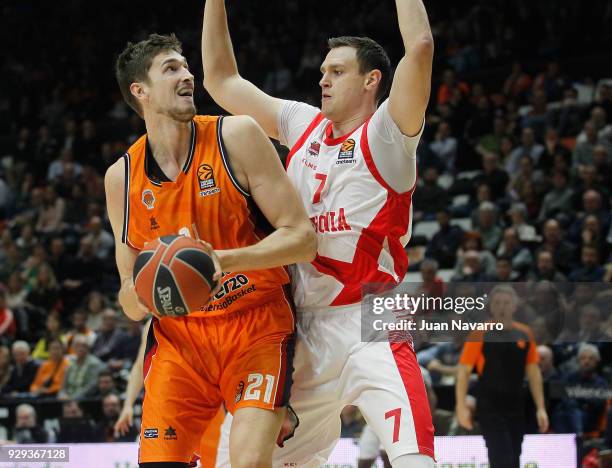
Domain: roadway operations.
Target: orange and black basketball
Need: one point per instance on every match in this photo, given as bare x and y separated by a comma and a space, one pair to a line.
173, 276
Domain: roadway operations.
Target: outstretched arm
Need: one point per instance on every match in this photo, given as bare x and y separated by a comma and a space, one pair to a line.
412, 81
293, 240
221, 79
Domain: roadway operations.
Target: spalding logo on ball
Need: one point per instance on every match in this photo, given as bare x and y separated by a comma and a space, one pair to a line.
173, 276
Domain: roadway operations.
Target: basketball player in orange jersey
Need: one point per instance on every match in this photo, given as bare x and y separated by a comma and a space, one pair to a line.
218, 180
210, 438
353, 162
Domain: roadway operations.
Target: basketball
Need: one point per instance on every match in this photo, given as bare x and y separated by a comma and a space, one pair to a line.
173, 276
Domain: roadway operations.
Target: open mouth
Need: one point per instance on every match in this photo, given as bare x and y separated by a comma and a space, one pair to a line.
186, 92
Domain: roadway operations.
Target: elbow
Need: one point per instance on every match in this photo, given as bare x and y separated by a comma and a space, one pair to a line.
309, 244
423, 47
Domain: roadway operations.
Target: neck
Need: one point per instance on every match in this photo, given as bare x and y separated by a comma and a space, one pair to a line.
353, 121
169, 140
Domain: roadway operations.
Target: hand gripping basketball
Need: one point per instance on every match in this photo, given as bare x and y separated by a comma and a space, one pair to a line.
175, 275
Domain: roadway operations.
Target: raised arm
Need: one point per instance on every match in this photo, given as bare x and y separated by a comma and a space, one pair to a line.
221, 79
293, 240
114, 184
412, 81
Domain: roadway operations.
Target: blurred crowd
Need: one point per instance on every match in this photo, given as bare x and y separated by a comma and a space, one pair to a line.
515, 170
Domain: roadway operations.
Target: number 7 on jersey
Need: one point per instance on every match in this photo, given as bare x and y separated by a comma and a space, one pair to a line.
317, 195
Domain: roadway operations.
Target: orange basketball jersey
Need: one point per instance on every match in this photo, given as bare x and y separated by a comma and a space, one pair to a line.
205, 202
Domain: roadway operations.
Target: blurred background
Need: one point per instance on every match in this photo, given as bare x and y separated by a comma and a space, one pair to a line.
515, 168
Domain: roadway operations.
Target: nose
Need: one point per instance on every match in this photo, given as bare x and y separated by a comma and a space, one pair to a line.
324, 82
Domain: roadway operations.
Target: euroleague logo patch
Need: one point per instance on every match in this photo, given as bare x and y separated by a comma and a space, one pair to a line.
346, 155
206, 178
148, 199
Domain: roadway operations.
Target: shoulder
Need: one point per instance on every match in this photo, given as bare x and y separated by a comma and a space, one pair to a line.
240, 125
115, 174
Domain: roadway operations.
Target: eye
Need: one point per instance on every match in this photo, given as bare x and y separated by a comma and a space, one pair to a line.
338, 72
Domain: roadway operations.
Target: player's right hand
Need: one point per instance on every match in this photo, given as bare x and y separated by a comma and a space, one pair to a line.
464, 417
122, 426
130, 302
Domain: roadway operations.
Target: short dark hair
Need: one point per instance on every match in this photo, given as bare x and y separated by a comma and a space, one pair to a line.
134, 62
370, 56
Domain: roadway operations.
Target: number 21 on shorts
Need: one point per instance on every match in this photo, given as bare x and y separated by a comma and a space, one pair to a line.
254, 389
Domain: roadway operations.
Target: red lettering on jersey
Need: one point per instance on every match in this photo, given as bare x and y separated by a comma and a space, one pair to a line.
326, 222
332, 214
342, 224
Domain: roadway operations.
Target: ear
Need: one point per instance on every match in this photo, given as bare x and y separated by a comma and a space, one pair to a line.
373, 79
138, 91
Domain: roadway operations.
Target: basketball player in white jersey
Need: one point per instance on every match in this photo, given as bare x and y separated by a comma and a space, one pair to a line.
354, 164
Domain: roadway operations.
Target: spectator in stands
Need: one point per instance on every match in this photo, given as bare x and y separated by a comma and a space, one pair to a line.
441, 360
552, 147
583, 152
504, 271
46, 292
104, 386
26, 240
525, 174
590, 327
82, 373
8, 325
102, 242
546, 300
79, 327
58, 259
431, 284
472, 240
52, 332
487, 226
472, 269
591, 270
111, 408
518, 215
15, 292
493, 175
24, 370
592, 204
581, 415
558, 199
108, 338
449, 85
75, 426
51, 216
546, 363
6, 367
27, 430
50, 376
444, 244
429, 198
593, 236
518, 84
603, 167
94, 305
561, 250
528, 147
86, 271
512, 248
603, 130
545, 269
490, 144
445, 146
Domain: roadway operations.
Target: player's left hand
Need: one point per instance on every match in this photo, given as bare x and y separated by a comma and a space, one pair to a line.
287, 430
218, 271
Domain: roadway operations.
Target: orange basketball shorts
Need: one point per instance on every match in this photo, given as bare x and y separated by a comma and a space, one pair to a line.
193, 365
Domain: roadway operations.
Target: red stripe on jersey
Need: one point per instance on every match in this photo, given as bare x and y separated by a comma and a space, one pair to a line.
399, 205
298, 144
412, 379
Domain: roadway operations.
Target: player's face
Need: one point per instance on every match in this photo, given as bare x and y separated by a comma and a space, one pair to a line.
170, 87
343, 87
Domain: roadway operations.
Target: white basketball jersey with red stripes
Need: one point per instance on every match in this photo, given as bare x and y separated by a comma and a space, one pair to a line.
362, 223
